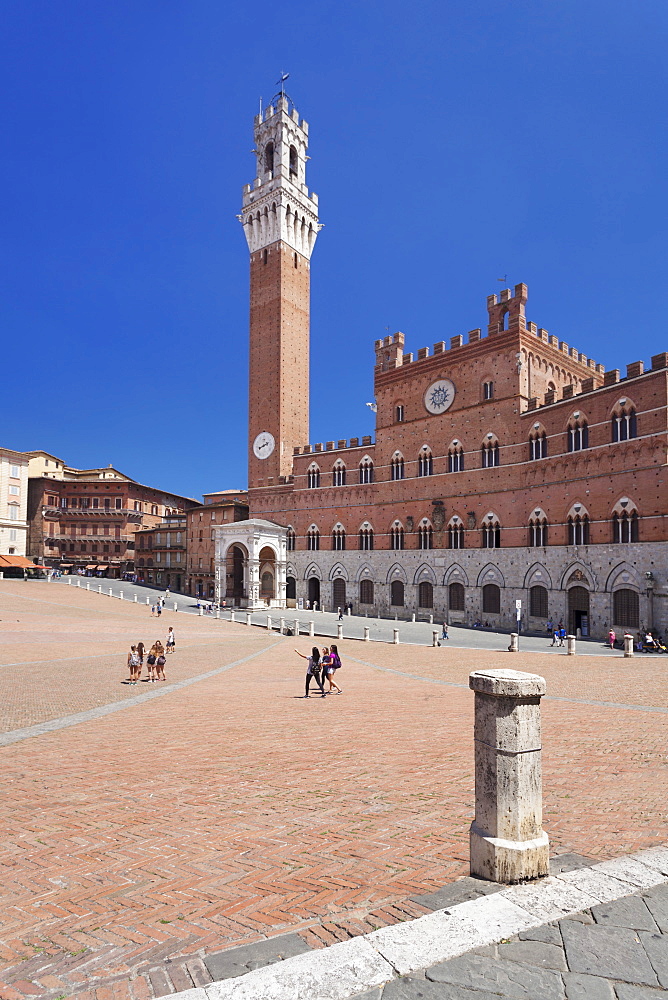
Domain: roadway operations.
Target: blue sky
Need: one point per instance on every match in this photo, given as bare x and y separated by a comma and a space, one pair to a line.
451, 144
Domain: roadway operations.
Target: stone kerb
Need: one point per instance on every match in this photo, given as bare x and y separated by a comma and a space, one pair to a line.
507, 841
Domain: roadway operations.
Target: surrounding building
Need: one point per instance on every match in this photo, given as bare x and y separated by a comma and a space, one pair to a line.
225, 507
160, 553
13, 502
507, 466
85, 520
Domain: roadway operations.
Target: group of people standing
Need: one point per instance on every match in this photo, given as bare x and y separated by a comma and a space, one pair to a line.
322, 666
155, 660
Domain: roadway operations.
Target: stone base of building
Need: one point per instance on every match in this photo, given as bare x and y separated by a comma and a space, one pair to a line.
579, 584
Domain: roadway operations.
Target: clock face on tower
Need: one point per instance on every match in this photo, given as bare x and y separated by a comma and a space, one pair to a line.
439, 396
263, 445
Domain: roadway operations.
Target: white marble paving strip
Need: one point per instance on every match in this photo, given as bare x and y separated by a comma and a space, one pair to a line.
351, 967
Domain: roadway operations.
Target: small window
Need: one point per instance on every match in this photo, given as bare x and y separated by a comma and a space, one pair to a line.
269, 157
538, 446
537, 532
578, 530
14, 471
490, 454
366, 471
625, 527
293, 162
488, 390
399, 414
491, 599
119, 503
13, 512
14, 491
456, 596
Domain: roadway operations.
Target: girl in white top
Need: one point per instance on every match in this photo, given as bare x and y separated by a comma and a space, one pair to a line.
171, 640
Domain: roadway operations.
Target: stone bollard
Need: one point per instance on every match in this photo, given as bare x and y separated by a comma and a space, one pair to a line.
311, 628
218, 613
628, 644
282, 626
296, 628
413, 617
339, 630
434, 637
111, 594
99, 588
248, 618
366, 633
69, 581
349, 612
176, 607
232, 618
514, 644
88, 586
396, 636
507, 841
200, 611
570, 645
135, 601
148, 600
78, 582
120, 595
268, 623
431, 619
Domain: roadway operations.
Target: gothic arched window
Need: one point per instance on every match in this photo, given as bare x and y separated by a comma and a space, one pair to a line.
456, 534
339, 474
397, 536
313, 477
338, 537
293, 160
366, 470
397, 466
456, 457
290, 539
425, 462
269, 158
578, 434
366, 537
490, 454
625, 526
313, 538
491, 533
624, 425
538, 445
578, 527
537, 529
425, 535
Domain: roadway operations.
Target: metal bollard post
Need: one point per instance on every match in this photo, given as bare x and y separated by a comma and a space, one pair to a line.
514, 643
434, 637
507, 840
570, 645
628, 645
339, 630
296, 628
366, 633
269, 623
311, 628
396, 636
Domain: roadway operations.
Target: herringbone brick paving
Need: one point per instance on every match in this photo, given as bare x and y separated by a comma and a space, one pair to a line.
229, 810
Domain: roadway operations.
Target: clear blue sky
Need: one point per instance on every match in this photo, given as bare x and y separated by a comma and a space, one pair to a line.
451, 143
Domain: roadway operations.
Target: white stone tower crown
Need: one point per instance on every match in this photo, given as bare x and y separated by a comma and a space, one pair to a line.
278, 205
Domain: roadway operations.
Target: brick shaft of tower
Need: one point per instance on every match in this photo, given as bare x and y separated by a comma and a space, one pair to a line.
280, 220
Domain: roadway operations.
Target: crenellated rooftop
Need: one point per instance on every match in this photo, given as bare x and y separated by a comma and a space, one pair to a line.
633, 370
337, 446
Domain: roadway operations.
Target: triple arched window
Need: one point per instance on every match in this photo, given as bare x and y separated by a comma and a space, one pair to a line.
537, 529
366, 470
338, 538
339, 474
290, 539
490, 454
397, 466
624, 425
425, 535
538, 445
366, 538
397, 536
313, 539
456, 457
578, 528
625, 526
578, 435
425, 462
313, 477
456, 533
491, 532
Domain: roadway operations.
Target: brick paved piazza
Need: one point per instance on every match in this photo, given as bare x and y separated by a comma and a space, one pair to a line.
227, 809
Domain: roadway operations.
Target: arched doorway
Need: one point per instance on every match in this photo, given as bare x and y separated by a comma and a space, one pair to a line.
290, 588
267, 574
578, 610
339, 593
314, 590
235, 571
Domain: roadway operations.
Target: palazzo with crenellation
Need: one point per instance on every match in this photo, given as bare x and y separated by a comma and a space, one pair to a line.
506, 465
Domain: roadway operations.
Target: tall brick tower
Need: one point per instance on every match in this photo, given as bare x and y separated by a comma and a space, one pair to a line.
280, 220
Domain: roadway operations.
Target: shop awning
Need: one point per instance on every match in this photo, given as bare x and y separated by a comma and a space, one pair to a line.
102, 567
19, 561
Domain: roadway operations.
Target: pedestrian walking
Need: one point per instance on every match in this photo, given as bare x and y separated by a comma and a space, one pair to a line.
160, 661
312, 670
335, 665
444, 633
611, 638
171, 640
153, 611
340, 614
133, 664
140, 653
158, 609
562, 635
327, 662
150, 663
555, 637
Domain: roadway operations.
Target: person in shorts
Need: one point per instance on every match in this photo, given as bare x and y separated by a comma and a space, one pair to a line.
133, 664
328, 668
171, 640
